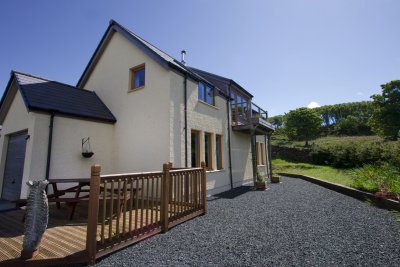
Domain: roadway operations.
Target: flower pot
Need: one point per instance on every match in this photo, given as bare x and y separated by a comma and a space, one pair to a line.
275, 179
261, 185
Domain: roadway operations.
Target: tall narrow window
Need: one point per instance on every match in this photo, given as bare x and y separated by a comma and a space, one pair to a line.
260, 153
195, 145
208, 150
218, 149
205, 93
137, 76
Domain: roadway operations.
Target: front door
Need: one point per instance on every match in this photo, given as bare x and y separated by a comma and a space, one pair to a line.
14, 168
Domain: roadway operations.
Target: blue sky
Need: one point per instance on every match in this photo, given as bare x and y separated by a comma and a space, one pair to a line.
288, 53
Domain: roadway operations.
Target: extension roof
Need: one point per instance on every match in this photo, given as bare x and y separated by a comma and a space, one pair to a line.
221, 82
159, 56
41, 94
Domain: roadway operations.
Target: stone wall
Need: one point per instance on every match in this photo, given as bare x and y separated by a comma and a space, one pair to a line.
292, 154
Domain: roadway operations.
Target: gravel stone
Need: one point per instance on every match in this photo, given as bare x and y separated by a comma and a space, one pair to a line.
294, 223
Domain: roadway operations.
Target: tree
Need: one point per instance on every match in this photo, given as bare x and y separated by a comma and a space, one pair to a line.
277, 121
302, 124
385, 120
348, 126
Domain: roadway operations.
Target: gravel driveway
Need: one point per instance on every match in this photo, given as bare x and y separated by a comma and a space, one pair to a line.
295, 223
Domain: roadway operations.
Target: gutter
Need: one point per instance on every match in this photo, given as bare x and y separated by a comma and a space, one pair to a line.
186, 130
228, 110
49, 145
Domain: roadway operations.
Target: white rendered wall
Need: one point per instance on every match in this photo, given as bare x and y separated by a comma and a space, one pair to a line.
66, 157
141, 138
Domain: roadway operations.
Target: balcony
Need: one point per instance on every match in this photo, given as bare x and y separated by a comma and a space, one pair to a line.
250, 117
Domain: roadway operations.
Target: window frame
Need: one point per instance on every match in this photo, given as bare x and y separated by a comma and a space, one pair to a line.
132, 77
209, 164
219, 154
198, 144
204, 93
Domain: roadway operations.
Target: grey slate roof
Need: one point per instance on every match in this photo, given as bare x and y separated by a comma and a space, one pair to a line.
221, 82
44, 95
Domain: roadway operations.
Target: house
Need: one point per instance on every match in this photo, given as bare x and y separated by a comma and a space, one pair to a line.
137, 107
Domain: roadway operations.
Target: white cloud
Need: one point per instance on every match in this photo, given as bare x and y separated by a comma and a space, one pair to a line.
360, 93
313, 105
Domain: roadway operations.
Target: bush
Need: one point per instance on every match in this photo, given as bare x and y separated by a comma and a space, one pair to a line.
373, 178
348, 154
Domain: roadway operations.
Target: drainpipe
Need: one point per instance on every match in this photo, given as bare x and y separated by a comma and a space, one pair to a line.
253, 154
266, 156
270, 154
229, 137
186, 130
49, 145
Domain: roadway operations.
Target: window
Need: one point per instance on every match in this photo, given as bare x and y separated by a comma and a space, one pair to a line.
206, 93
137, 77
218, 149
208, 150
195, 145
260, 153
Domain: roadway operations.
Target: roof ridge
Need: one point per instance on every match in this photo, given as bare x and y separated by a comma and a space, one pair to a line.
38, 77
140, 38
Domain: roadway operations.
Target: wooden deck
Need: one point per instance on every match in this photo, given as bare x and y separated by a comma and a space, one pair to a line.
111, 219
63, 241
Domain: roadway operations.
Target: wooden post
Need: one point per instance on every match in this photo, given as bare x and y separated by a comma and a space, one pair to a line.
165, 197
93, 212
203, 187
195, 189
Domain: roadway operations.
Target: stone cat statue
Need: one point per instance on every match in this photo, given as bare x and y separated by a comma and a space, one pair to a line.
36, 218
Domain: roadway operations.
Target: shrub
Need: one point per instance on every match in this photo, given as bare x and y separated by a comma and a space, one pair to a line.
348, 154
373, 178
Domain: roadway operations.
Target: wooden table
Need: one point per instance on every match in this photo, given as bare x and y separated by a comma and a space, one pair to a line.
83, 186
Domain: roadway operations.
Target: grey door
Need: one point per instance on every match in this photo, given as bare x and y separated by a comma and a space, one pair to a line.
14, 166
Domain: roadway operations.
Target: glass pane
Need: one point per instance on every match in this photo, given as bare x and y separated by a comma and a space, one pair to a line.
218, 151
210, 95
207, 143
194, 143
139, 78
200, 89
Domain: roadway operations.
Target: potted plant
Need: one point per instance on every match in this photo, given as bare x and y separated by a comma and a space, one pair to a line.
275, 178
260, 183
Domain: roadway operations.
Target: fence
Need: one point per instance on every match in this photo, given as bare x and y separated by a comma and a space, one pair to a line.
126, 208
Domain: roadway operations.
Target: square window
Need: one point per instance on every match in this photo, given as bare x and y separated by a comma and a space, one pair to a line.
137, 77
206, 93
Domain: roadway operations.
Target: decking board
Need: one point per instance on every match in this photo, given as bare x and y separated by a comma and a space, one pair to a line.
63, 238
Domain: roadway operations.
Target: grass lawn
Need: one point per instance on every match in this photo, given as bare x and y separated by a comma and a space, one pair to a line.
326, 173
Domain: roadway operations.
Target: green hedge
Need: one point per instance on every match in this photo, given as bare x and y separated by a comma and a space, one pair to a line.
355, 154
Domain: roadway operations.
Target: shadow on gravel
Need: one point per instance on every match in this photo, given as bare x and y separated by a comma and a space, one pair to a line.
231, 194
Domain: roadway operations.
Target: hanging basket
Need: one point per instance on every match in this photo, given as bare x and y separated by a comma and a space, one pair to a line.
87, 154
86, 148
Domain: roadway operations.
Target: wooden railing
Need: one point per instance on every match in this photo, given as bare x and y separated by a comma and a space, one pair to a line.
242, 113
126, 208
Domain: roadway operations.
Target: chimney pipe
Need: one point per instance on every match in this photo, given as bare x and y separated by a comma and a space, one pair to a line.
183, 54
